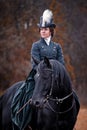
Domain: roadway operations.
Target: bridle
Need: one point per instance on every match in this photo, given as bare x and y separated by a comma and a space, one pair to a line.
59, 101
56, 99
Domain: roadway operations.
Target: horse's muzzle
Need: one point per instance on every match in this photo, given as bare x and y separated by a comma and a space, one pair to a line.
37, 103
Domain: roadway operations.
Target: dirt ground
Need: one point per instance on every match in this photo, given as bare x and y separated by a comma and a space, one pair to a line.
81, 123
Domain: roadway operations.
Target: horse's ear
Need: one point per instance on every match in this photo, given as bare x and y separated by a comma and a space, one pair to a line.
47, 62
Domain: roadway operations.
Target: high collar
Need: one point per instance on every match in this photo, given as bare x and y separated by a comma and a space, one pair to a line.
47, 40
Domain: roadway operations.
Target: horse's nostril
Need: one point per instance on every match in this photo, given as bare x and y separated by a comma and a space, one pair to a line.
37, 103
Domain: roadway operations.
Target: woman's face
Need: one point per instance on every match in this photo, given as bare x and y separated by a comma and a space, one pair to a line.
45, 32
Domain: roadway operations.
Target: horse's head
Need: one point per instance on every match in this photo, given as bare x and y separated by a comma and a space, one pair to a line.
49, 81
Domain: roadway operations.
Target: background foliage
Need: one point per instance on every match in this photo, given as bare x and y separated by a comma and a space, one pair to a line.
18, 30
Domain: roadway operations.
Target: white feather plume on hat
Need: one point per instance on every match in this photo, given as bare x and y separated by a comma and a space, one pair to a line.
47, 17
46, 20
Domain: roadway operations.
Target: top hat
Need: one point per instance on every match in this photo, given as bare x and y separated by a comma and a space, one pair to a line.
46, 20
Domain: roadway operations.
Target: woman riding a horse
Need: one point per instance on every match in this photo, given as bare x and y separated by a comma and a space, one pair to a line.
45, 47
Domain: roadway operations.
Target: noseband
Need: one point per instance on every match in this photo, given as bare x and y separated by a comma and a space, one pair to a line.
57, 100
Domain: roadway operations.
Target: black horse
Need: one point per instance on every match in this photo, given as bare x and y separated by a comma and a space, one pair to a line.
55, 106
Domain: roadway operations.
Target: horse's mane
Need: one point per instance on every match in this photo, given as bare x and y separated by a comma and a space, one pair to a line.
58, 69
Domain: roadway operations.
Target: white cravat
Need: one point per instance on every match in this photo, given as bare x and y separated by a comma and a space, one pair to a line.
47, 40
